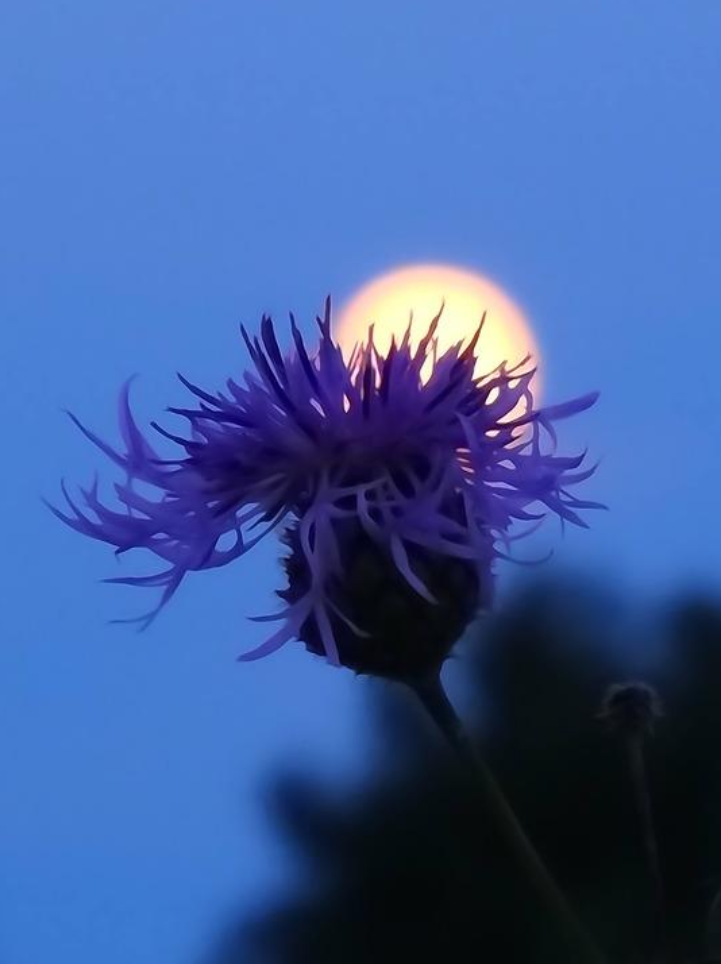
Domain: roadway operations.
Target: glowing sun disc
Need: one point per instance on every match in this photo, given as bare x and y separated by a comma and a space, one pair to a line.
387, 302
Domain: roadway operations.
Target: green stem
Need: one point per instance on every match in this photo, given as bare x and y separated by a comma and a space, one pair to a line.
439, 707
637, 768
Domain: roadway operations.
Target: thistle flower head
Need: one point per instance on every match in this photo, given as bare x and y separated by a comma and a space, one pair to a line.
631, 709
395, 491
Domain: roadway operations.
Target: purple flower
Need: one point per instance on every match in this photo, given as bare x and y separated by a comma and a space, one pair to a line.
396, 493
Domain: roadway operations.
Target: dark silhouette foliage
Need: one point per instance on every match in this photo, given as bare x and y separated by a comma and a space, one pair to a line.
410, 869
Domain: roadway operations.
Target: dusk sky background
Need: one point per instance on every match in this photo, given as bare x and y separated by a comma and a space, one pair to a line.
170, 169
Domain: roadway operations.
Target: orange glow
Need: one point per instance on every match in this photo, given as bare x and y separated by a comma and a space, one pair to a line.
388, 300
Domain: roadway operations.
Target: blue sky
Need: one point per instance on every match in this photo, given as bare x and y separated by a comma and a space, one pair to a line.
170, 169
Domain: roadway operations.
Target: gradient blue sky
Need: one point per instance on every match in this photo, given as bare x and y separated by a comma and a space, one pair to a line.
171, 168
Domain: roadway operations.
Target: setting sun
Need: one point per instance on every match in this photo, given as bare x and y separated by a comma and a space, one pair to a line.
387, 302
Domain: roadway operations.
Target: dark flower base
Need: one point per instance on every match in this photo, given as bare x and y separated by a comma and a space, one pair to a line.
409, 637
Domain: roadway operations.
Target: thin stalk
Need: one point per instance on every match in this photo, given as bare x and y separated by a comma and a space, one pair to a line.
642, 796
436, 702
713, 930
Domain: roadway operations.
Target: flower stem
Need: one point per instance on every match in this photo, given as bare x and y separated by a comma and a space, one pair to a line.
639, 779
435, 700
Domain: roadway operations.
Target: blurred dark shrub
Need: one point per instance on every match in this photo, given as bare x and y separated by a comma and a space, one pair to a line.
410, 869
